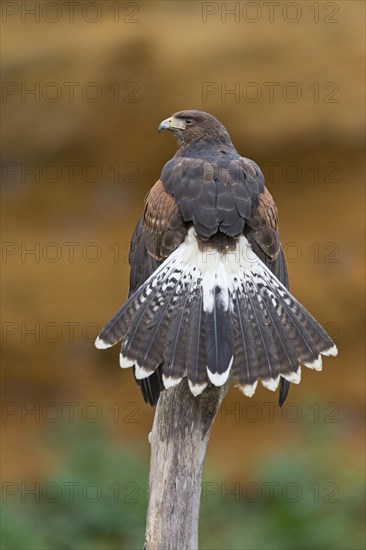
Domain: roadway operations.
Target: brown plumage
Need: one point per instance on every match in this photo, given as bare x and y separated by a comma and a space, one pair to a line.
164, 225
208, 284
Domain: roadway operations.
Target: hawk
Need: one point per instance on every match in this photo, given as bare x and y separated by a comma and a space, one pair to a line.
209, 291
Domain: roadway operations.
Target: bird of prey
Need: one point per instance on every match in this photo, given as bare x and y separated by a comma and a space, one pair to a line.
209, 291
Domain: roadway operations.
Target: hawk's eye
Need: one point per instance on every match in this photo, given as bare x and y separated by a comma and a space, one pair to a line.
189, 121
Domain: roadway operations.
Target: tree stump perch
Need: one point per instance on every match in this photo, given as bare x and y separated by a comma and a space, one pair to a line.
179, 438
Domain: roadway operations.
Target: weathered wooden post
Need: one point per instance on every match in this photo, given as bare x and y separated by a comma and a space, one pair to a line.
179, 438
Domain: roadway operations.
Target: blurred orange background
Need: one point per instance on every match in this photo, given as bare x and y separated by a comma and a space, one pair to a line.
84, 88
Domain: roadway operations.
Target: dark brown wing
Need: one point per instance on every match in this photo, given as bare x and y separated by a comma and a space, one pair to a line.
141, 262
164, 224
216, 192
158, 233
262, 233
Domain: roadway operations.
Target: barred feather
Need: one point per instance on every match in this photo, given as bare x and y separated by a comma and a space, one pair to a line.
205, 314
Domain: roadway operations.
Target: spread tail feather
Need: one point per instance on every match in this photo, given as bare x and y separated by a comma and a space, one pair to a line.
207, 314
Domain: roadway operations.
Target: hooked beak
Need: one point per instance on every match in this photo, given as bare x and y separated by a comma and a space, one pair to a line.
172, 123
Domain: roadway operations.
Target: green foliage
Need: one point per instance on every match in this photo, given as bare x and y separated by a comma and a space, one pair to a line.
96, 502
305, 497
293, 503
297, 501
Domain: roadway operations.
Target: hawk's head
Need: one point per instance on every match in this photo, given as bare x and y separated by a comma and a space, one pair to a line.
188, 126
